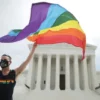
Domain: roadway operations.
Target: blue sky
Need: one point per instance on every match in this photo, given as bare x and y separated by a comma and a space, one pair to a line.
15, 14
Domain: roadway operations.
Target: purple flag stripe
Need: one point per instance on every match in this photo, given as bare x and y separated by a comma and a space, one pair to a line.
38, 15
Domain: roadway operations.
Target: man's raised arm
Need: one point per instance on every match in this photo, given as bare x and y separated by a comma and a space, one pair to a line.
25, 63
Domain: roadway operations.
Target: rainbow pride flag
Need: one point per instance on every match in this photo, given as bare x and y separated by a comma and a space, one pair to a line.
49, 24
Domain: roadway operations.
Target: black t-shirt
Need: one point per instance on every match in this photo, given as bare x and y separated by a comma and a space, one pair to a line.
7, 84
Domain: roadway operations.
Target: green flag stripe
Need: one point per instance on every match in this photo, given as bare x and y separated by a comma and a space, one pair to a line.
66, 16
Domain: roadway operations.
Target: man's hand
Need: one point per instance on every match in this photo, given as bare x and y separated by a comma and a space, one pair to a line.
34, 46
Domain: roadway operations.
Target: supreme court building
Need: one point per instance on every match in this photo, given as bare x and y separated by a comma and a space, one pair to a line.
57, 72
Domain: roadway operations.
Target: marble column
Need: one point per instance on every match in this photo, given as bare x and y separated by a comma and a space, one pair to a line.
76, 70
39, 72
67, 71
48, 72
32, 73
29, 76
93, 70
57, 71
85, 74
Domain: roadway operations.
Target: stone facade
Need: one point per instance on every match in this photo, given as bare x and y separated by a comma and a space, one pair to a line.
56, 72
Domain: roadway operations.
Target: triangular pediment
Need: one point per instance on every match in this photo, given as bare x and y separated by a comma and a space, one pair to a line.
63, 45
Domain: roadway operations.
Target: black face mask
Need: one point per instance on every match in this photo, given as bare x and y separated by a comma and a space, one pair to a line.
4, 63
